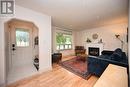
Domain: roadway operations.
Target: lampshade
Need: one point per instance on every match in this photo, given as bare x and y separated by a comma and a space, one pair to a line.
117, 35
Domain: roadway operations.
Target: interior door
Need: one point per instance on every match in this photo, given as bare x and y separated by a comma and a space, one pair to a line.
21, 46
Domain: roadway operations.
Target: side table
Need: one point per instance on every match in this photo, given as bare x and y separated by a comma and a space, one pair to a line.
56, 57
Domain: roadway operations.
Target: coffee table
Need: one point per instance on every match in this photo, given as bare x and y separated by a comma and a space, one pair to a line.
82, 57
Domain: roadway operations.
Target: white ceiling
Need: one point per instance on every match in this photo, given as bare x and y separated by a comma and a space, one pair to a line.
80, 14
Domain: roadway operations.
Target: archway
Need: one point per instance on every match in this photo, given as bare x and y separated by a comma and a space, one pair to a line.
21, 40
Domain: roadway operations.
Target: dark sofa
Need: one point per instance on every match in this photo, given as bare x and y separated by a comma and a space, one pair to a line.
97, 65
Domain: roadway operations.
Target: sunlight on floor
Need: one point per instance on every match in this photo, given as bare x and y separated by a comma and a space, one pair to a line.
20, 72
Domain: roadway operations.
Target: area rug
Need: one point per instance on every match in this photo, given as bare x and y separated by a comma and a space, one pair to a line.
77, 67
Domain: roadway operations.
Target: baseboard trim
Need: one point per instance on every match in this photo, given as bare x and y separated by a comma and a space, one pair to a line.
45, 69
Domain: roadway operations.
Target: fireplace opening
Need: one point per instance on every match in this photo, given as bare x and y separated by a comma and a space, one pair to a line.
93, 51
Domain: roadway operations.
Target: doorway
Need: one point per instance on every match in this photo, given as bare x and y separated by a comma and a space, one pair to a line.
22, 49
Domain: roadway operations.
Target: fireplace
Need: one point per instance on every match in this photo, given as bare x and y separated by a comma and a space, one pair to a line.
93, 51
97, 46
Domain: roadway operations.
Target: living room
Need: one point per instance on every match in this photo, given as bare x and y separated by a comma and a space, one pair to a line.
99, 26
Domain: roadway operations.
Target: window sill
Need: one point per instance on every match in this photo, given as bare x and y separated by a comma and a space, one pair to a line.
64, 49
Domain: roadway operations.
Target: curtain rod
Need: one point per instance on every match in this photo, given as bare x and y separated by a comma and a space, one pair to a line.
68, 30
63, 29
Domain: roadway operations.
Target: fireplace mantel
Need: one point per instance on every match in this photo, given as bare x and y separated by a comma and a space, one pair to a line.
96, 45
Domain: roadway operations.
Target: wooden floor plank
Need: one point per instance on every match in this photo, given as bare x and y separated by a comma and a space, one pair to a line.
57, 77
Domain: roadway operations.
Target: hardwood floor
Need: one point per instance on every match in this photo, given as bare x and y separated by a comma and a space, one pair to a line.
57, 77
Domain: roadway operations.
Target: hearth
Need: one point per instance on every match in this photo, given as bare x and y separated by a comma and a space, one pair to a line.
93, 51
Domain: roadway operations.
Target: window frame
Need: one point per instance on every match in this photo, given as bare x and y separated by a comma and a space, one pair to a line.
64, 43
22, 29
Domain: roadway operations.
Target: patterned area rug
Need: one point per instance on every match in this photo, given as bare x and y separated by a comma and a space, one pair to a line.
76, 66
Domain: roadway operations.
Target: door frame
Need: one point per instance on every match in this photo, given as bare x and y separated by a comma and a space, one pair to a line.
15, 23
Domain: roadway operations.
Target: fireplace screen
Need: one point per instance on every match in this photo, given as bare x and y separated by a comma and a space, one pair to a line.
93, 51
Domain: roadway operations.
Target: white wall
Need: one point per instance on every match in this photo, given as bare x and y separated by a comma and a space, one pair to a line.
107, 34
7, 58
43, 22
2, 58
64, 52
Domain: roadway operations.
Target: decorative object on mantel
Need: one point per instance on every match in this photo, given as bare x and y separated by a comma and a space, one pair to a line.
100, 41
88, 40
95, 36
122, 42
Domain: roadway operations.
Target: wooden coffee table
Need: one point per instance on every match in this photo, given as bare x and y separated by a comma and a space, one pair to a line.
82, 56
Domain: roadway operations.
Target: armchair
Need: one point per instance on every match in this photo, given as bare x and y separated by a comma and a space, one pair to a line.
79, 50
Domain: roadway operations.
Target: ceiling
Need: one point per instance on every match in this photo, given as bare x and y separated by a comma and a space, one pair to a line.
80, 14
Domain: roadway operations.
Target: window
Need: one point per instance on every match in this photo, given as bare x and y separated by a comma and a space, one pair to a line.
22, 38
63, 41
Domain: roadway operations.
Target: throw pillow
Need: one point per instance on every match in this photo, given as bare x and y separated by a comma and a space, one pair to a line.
117, 55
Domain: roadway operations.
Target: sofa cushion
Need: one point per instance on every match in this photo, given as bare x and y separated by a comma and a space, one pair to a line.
106, 52
117, 55
104, 56
118, 50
